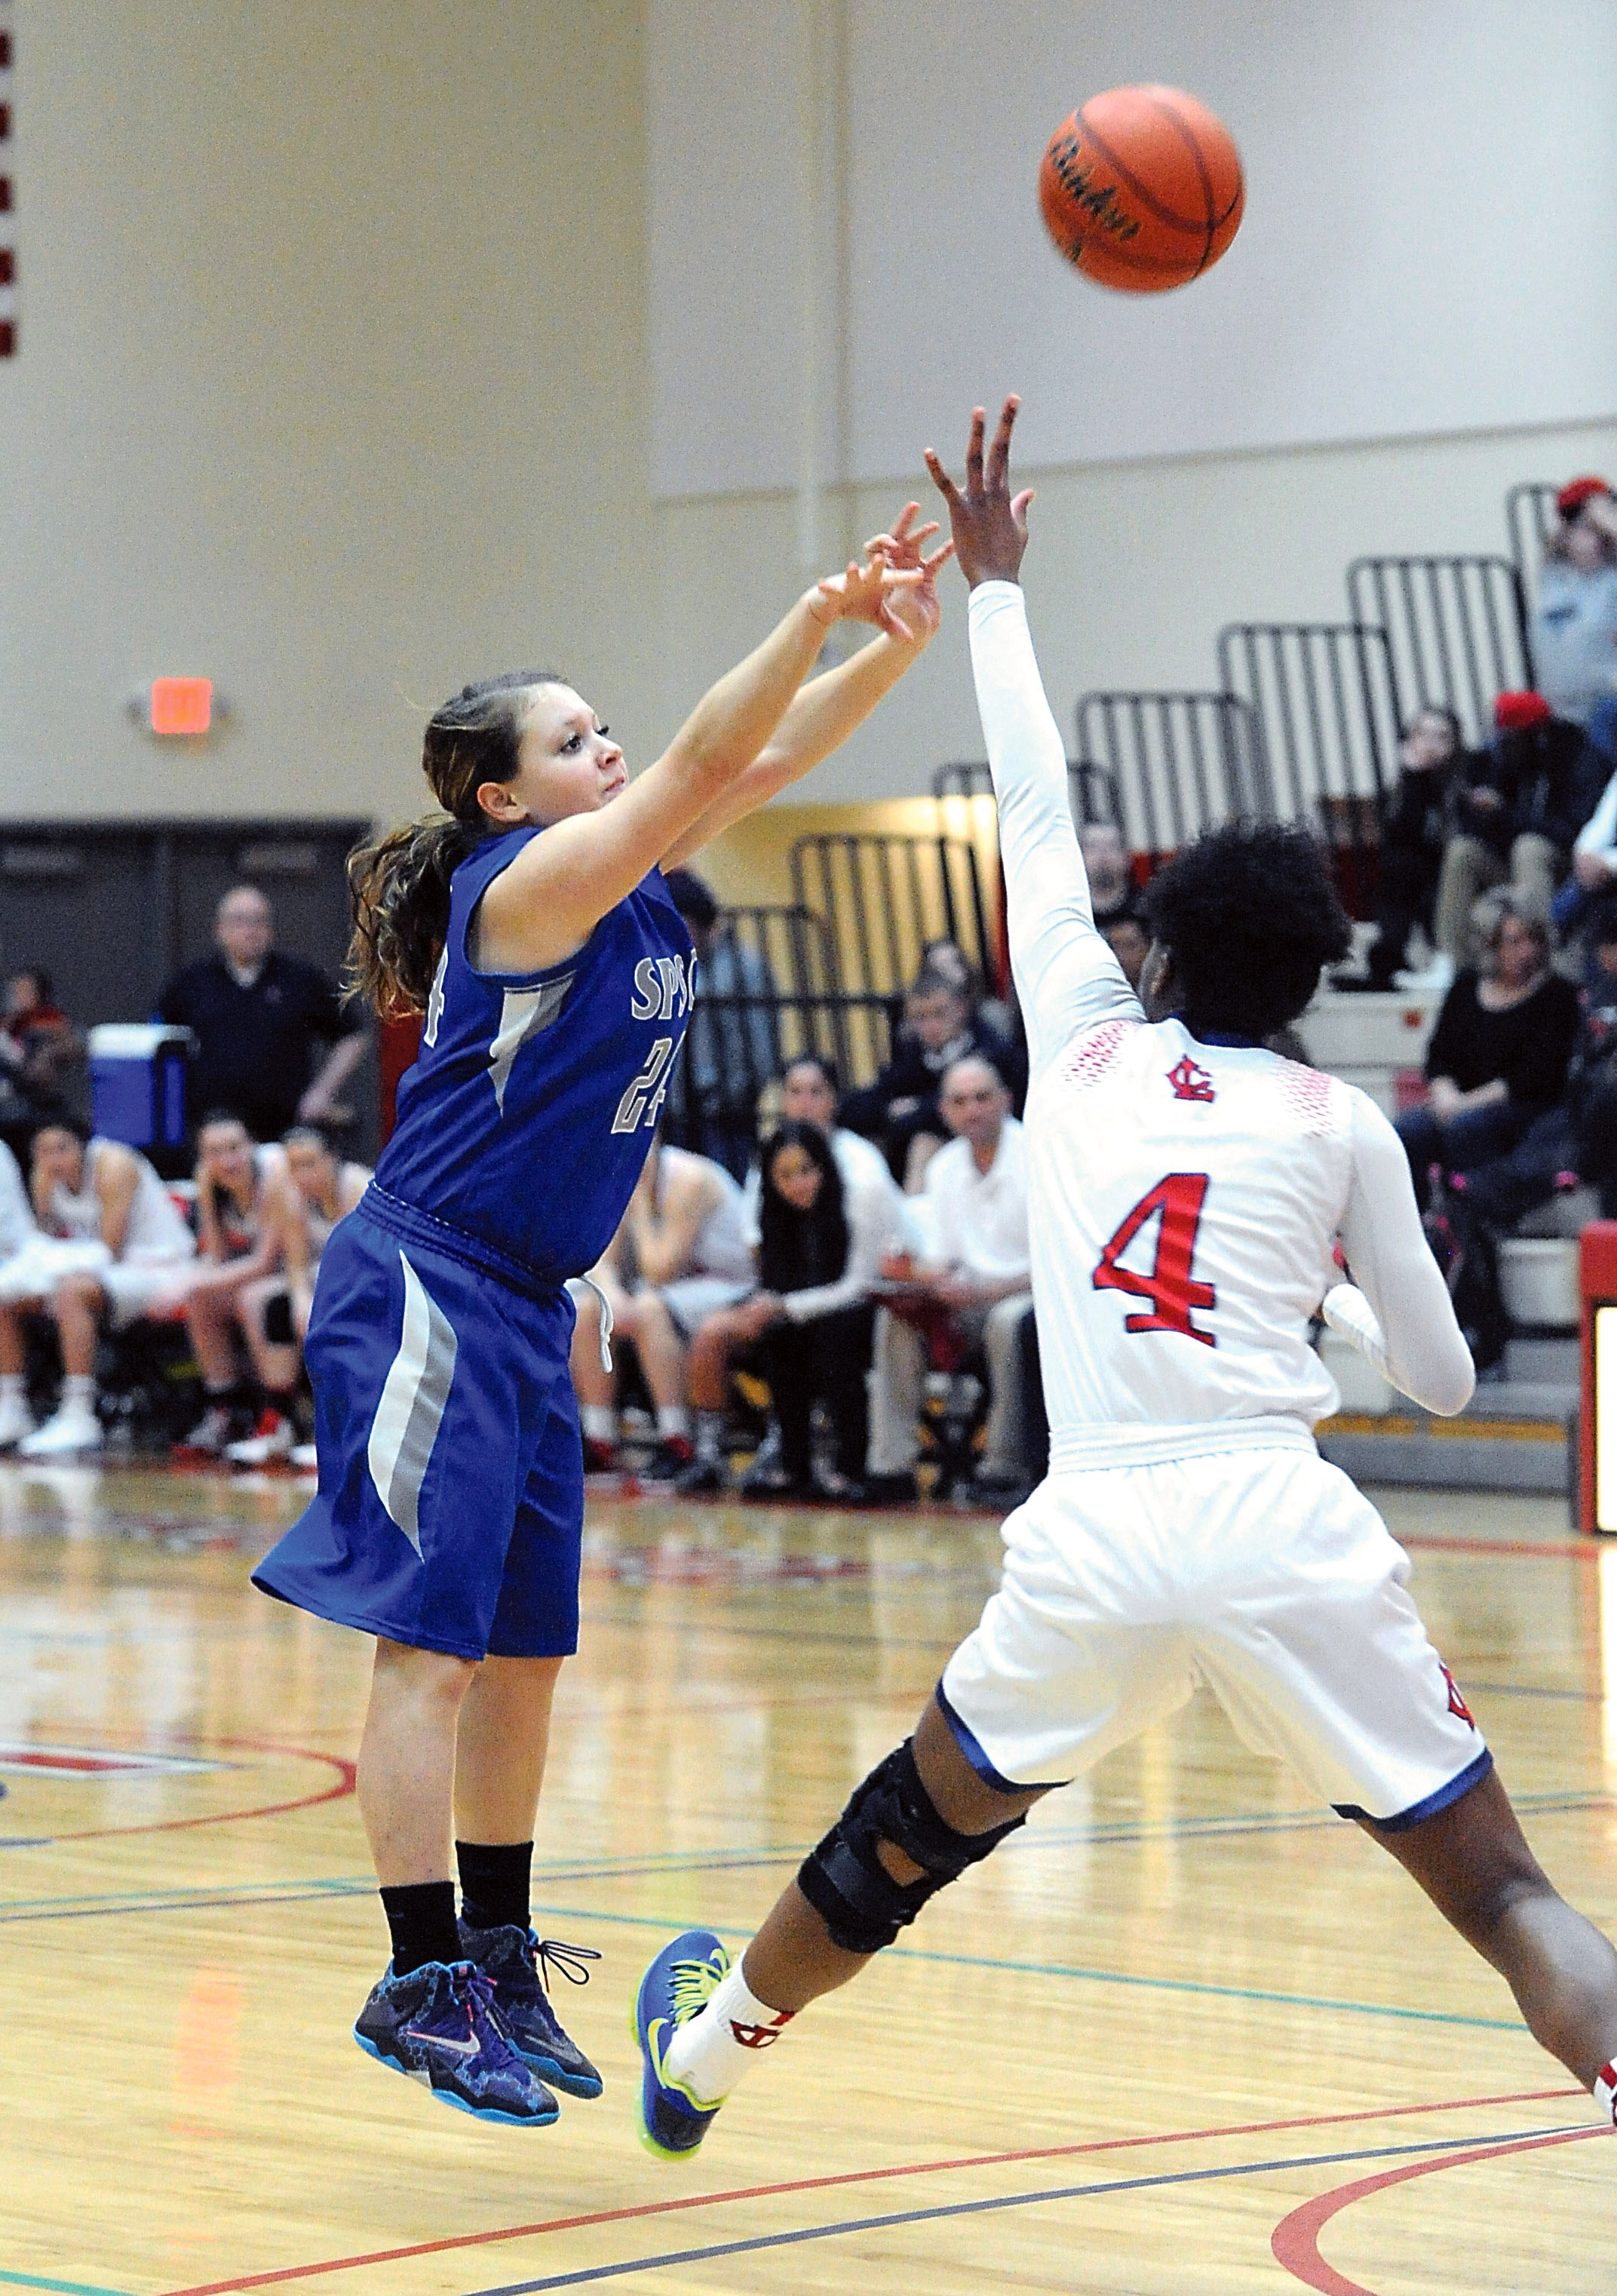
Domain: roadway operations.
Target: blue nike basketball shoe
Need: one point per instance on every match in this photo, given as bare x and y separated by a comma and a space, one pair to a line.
517, 1964
440, 2026
677, 1986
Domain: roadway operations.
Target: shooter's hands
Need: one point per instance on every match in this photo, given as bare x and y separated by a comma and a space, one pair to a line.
867, 593
990, 525
918, 609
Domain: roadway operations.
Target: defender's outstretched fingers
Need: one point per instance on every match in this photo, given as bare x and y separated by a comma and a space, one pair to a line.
974, 452
941, 479
999, 453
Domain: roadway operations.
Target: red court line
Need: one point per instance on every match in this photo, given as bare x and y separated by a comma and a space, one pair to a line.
345, 1785
1296, 2237
1575, 1550
857, 2176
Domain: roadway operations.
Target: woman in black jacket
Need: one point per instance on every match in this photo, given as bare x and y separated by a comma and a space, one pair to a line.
1498, 1055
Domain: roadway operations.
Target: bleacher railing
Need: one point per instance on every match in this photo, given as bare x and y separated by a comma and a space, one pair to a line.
1091, 791
887, 895
1531, 517
1175, 763
1456, 625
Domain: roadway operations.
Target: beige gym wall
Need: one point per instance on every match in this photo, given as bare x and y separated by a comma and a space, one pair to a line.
330, 388
333, 387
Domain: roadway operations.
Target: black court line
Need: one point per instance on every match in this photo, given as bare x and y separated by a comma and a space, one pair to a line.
849, 2225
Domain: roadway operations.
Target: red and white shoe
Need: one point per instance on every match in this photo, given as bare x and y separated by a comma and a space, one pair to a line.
271, 1440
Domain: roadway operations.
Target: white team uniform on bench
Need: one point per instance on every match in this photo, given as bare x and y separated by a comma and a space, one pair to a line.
1185, 1200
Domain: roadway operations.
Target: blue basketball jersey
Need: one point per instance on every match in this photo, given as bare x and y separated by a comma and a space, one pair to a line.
526, 1119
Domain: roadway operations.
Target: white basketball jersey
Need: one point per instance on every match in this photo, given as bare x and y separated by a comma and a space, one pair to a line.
1183, 1203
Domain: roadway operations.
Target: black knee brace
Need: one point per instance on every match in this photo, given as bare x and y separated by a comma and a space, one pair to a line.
845, 1880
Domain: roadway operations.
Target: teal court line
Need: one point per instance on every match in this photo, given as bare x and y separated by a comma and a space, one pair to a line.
65, 2287
1080, 1975
655, 1864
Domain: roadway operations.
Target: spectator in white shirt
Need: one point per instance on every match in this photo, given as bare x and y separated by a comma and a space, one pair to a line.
17, 1216
682, 1255
979, 1277
820, 1256
809, 1094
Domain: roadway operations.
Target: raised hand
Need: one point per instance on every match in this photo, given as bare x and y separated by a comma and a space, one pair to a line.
989, 524
919, 608
865, 593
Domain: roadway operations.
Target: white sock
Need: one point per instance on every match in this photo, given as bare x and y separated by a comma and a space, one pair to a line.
709, 1429
672, 1419
78, 1393
1606, 2091
599, 1422
10, 1387
709, 2056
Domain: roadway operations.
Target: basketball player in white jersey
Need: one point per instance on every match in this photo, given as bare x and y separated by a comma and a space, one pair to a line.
1187, 1189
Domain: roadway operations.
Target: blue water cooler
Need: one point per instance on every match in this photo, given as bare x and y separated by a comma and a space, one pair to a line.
137, 1082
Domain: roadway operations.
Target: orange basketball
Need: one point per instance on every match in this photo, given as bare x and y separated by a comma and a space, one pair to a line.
1142, 189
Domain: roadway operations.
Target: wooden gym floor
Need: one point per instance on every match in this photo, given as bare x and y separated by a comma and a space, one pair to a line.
1186, 2034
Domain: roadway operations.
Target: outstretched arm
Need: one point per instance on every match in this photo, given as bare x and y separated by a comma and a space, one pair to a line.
546, 904
1397, 1311
828, 709
1066, 976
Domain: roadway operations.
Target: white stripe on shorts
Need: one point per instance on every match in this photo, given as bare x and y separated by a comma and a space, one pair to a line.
412, 1407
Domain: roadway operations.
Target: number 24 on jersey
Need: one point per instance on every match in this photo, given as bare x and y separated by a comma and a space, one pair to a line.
1176, 1202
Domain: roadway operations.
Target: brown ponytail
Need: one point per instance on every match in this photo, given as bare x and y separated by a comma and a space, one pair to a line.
400, 887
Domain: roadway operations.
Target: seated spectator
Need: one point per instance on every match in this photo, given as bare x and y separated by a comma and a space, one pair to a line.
1114, 892
729, 1047
110, 1242
242, 1217
16, 1214
1498, 1055
256, 1016
1595, 849
1516, 812
809, 1094
1129, 938
1416, 818
40, 1053
977, 1284
320, 1190
1576, 1139
900, 1112
808, 1328
1575, 624
948, 958
680, 1255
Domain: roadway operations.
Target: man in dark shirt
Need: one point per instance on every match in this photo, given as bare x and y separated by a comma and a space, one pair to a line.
256, 1015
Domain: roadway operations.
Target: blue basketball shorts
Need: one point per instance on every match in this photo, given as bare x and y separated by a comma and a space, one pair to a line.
450, 1507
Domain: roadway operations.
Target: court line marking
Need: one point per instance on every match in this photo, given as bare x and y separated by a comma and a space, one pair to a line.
1102, 1976
1563, 1550
943, 2210
345, 1774
1073, 1972
64, 2287
687, 2201
85, 1906
1295, 2241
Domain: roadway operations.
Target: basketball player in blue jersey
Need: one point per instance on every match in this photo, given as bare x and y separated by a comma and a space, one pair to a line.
529, 924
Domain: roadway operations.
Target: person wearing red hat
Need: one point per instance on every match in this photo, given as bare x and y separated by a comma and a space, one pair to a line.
1574, 625
1516, 810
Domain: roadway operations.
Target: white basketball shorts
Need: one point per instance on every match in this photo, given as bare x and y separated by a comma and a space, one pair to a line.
1264, 1573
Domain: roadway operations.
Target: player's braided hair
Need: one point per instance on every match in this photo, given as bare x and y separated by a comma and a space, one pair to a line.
1250, 917
400, 886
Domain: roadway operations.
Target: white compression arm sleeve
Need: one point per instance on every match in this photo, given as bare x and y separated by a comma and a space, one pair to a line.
1067, 978
1397, 1311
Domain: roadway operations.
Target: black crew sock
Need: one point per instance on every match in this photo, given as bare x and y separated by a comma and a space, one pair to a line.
420, 1915
494, 1880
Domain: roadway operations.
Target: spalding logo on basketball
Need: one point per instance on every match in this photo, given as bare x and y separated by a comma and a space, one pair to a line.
1142, 189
